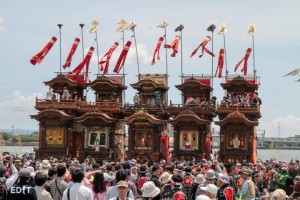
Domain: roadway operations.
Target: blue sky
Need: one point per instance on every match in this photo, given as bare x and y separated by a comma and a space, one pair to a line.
26, 26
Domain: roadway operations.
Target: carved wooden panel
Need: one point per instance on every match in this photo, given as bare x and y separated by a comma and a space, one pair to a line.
55, 136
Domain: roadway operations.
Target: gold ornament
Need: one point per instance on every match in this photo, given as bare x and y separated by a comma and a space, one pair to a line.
95, 24
252, 29
163, 24
222, 29
131, 26
122, 24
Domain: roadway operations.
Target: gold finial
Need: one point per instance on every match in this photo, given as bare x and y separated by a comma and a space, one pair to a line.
163, 24
95, 23
95, 27
222, 29
252, 29
122, 24
131, 26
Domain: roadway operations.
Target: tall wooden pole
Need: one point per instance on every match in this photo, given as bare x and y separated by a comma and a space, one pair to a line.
82, 43
164, 25
211, 28
59, 26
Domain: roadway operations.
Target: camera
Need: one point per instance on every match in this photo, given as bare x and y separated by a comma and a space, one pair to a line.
7, 157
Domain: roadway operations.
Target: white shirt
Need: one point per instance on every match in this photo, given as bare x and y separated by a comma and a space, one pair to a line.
12, 179
78, 192
116, 198
42, 194
112, 192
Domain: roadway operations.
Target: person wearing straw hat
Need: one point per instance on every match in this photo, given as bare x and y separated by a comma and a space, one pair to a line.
199, 179
211, 191
247, 190
209, 177
202, 197
150, 191
113, 191
45, 166
122, 190
278, 194
165, 180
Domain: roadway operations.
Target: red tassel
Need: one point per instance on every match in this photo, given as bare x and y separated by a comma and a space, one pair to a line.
122, 58
85, 62
203, 45
245, 59
38, 58
106, 61
174, 45
160, 40
71, 53
220, 64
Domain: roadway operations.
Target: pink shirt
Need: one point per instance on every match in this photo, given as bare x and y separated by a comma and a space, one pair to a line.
99, 196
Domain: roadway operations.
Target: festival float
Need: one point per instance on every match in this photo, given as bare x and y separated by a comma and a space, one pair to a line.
110, 128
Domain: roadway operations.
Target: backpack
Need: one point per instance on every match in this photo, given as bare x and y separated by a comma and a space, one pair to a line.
179, 196
3, 190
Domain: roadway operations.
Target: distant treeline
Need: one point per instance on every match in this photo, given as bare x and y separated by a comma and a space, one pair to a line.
19, 138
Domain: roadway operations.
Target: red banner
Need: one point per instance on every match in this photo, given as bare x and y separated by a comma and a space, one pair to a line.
245, 59
71, 53
220, 64
122, 58
86, 62
156, 51
108, 56
174, 45
203, 45
38, 58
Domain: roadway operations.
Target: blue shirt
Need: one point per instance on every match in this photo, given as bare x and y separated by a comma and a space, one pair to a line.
244, 190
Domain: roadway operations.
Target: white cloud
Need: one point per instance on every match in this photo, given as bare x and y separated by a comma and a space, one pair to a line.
2, 28
16, 110
284, 126
144, 56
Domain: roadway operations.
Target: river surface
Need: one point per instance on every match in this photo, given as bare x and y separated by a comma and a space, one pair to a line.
278, 154
263, 154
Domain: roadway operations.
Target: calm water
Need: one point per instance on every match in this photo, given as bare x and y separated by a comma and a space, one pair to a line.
283, 155
280, 155
20, 150
263, 154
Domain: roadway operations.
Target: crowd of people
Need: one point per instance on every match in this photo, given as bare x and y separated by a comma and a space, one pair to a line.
70, 179
242, 100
